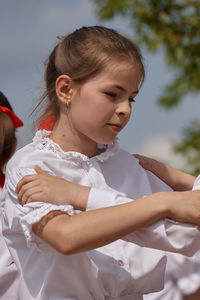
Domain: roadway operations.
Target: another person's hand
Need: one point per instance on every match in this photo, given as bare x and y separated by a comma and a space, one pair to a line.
149, 163
176, 179
43, 187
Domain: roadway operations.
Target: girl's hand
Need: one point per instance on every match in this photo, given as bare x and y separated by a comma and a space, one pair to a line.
43, 187
176, 179
182, 206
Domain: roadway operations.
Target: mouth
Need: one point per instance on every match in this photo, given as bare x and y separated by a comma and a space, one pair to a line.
115, 127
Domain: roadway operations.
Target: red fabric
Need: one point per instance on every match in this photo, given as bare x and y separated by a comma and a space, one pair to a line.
48, 124
16, 121
2, 179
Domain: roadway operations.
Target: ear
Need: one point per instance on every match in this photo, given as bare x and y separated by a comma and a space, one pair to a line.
64, 85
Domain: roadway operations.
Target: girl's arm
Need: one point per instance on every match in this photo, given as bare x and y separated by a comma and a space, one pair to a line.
92, 229
177, 180
95, 228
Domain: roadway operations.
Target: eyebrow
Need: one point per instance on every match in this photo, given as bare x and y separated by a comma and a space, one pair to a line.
119, 87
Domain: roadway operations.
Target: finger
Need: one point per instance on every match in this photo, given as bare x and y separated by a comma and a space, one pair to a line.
25, 187
39, 170
35, 197
136, 156
22, 200
20, 184
29, 195
26, 179
21, 196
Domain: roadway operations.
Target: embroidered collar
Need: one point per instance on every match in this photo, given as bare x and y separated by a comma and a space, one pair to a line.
45, 143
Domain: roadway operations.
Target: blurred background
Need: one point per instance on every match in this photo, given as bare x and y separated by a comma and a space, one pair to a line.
28, 33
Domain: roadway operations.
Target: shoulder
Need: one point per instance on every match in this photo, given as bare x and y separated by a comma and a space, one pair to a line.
21, 155
125, 165
124, 158
127, 156
35, 153
127, 162
25, 159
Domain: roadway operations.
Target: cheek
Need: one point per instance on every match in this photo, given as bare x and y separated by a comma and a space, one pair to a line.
104, 110
90, 106
96, 107
129, 116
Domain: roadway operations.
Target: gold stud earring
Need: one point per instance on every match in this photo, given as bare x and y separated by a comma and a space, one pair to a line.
68, 104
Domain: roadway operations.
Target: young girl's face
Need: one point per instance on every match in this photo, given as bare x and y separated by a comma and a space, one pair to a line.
102, 107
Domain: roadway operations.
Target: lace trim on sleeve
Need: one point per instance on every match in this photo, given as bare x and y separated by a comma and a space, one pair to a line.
35, 216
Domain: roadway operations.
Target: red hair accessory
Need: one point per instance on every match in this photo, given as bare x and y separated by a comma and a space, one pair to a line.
48, 123
2, 179
16, 121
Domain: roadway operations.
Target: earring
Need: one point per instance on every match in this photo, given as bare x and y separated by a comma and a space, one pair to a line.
68, 100
67, 105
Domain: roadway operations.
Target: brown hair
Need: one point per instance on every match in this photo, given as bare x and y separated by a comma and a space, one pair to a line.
7, 132
83, 54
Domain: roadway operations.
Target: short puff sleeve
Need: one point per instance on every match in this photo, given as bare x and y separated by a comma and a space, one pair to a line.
19, 219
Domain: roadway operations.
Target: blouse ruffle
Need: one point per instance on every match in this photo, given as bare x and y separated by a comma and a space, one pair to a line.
44, 143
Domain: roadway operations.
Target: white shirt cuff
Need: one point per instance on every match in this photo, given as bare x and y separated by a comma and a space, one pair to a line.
102, 198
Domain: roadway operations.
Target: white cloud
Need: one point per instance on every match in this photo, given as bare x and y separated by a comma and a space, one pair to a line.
161, 148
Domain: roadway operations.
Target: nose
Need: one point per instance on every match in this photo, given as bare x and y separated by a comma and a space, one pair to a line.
124, 108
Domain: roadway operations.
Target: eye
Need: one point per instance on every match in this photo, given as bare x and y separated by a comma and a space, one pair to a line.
111, 94
131, 99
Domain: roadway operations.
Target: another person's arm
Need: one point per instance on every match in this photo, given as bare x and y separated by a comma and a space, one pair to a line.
176, 179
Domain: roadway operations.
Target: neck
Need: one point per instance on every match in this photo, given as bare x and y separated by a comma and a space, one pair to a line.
70, 140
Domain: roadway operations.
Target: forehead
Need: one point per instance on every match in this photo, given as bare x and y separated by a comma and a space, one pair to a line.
120, 72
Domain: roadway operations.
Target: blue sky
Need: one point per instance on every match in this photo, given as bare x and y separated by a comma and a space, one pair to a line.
28, 31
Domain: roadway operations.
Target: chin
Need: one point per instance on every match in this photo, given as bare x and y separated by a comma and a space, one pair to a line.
107, 141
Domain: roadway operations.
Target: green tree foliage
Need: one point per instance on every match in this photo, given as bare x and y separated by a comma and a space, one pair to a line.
173, 25
190, 146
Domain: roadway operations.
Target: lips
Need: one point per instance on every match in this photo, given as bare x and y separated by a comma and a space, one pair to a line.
115, 127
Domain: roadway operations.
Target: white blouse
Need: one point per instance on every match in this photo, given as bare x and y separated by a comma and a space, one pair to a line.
182, 276
121, 270
8, 270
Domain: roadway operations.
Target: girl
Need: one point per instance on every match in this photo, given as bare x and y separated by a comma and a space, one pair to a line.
8, 123
92, 77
